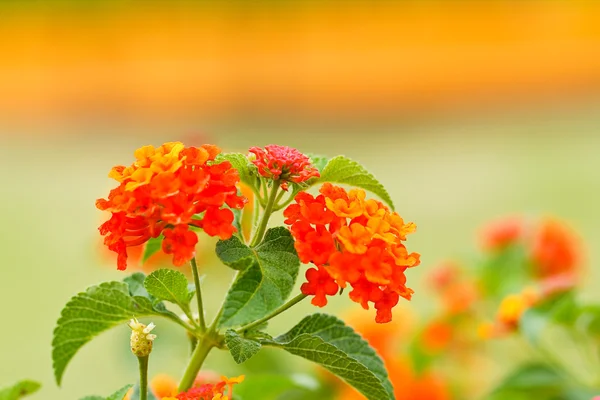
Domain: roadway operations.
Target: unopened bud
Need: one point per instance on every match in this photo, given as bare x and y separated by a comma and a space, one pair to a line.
141, 338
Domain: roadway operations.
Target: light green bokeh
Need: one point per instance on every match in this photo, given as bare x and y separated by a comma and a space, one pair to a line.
448, 177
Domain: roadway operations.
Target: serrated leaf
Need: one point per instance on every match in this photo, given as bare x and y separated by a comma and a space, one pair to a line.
169, 285
244, 167
20, 389
318, 161
118, 395
152, 246
235, 254
96, 310
326, 340
343, 170
241, 348
266, 284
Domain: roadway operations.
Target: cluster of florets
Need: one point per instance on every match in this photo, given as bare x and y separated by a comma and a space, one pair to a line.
166, 191
283, 164
355, 241
210, 391
553, 248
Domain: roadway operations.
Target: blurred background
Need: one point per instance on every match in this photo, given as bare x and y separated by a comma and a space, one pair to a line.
465, 110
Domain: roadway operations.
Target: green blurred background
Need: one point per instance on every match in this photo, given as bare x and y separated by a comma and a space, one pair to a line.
465, 112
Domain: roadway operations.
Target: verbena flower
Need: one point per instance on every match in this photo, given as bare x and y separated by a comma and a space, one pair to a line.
353, 241
283, 163
166, 191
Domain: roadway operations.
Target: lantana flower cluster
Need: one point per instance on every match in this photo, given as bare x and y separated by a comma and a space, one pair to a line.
284, 164
208, 386
210, 391
351, 240
166, 191
552, 247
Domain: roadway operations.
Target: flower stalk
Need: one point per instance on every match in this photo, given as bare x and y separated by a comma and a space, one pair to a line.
201, 320
264, 222
275, 313
143, 364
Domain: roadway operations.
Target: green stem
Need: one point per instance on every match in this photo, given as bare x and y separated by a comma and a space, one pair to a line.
143, 362
255, 215
179, 321
279, 197
266, 215
198, 356
275, 313
556, 364
198, 295
193, 343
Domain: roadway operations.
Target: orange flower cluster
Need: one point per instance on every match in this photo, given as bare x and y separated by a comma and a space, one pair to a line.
283, 163
551, 245
555, 249
502, 233
207, 386
351, 240
165, 191
210, 391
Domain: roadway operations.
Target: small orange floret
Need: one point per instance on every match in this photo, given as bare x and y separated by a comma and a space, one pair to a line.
356, 241
513, 306
319, 284
165, 191
437, 336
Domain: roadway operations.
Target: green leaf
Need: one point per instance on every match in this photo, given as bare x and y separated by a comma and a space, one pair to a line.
528, 381
169, 285
559, 310
153, 245
343, 170
241, 348
96, 310
277, 387
326, 340
264, 285
318, 161
19, 389
235, 254
532, 324
118, 395
244, 167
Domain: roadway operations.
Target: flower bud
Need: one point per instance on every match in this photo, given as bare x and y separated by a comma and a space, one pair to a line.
141, 338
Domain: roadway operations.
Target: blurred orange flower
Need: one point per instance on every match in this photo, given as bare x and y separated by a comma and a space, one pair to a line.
555, 249
503, 232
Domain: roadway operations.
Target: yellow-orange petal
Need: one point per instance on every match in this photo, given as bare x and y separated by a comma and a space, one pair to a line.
354, 238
